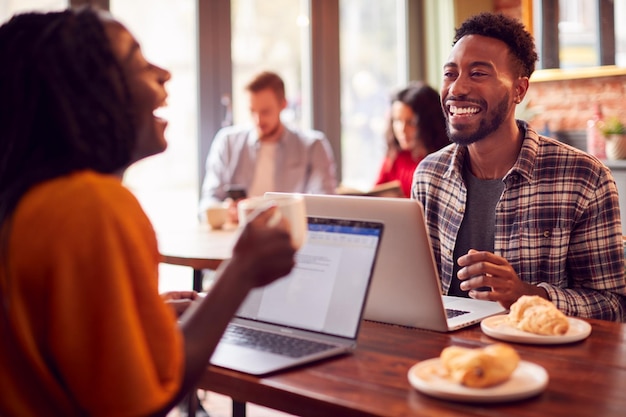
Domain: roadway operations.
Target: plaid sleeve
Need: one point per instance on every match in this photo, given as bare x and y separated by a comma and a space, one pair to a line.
595, 259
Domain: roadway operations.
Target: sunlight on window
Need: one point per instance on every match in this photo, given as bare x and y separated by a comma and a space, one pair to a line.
166, 184
579, 32
269, 35
370, 69
620, 33
10, 7
578, 28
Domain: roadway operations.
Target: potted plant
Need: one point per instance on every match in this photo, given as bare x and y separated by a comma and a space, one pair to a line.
614, 131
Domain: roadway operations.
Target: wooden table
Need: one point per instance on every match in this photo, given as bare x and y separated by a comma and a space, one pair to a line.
198, 247
587, 378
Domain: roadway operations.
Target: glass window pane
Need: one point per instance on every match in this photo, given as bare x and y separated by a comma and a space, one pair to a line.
269, 35
620, 33
372, 65
579, 43
10, 7
578, 33
167, 183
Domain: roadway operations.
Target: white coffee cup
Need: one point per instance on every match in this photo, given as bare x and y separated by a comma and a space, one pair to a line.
291, 208
217, 215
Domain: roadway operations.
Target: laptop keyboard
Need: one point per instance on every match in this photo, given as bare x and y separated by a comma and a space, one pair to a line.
450, 312
272, 342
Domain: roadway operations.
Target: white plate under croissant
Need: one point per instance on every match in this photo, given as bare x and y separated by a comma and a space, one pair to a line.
535, 320
527, 380
499, 328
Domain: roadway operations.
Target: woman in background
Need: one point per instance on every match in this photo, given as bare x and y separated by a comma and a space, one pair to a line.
83, 328
416, 128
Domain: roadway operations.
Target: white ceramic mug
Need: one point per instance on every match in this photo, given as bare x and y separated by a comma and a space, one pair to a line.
291, 208
217, 215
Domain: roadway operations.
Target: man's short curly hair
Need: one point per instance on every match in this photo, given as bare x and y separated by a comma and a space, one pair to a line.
506, 29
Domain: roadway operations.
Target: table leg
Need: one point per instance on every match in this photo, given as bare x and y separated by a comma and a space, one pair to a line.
189, 404
239, 408
197, 280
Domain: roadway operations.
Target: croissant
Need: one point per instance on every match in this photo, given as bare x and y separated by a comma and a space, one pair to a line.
537, 315
482, 367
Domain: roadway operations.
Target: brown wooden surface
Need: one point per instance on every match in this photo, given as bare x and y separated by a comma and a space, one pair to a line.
198, 247
587, 378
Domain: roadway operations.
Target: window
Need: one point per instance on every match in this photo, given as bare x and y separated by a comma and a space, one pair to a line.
578, 25
271, 35
276, 36
579, 33
10, 7
372, 35
166, 184
620, 34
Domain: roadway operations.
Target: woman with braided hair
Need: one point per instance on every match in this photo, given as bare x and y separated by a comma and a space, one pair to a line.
83, 328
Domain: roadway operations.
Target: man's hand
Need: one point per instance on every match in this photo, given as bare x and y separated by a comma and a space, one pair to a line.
484, 269
179, 300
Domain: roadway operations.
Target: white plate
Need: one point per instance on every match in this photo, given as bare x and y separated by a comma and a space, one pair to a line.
527, 380
498, 328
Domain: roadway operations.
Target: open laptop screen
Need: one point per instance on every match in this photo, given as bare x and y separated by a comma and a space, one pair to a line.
326, 290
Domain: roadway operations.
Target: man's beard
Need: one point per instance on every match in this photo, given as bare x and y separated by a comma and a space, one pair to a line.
271, 133
485, 127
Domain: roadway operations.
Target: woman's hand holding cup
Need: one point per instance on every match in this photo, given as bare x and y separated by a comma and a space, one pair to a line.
267, 249
289, 208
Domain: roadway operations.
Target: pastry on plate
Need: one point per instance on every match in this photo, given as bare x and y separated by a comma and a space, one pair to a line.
537, 315
480, 367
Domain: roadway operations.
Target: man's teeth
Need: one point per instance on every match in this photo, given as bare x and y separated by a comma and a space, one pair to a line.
464, 110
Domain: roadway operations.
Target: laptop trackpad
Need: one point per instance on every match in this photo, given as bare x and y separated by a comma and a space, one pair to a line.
476, 310
248, 360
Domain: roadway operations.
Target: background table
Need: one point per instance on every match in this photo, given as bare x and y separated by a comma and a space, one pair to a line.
586, 378
198, 247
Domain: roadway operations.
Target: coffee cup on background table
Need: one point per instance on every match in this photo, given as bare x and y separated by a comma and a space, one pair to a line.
217, 215
289, 207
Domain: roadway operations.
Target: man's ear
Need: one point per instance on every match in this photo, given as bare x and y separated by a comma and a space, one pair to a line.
521, 87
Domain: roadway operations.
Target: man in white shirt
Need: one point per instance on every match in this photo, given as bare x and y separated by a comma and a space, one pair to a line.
268, 156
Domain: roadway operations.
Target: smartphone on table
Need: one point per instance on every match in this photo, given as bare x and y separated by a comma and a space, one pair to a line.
236, 192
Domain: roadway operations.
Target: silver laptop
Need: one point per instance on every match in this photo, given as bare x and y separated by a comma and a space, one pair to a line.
406, 289
312, 313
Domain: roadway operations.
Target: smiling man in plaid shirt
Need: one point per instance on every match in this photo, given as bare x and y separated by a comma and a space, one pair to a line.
509, 212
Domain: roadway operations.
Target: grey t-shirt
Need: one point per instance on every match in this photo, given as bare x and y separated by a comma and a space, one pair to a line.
478, 226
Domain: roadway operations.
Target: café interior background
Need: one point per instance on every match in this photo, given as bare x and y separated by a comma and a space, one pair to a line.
380, 48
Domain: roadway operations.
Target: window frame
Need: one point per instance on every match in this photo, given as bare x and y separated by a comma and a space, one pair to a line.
215, 66
548, 15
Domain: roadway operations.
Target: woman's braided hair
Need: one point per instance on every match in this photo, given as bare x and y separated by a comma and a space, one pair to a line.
64, 102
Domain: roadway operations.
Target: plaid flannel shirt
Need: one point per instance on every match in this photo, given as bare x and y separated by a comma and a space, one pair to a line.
557, 222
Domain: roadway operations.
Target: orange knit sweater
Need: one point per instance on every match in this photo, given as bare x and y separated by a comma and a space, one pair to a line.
83, 329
